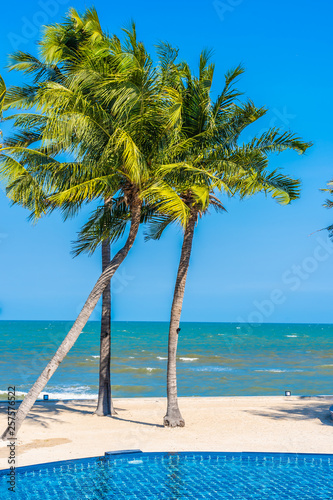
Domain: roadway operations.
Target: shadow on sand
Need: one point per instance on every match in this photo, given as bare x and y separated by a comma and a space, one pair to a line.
48, 412
314, 411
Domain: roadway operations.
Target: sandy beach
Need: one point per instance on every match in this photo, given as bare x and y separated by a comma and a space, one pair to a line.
63, 430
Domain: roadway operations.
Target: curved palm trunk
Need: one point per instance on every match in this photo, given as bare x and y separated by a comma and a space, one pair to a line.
105, 403
173, 416
79, 324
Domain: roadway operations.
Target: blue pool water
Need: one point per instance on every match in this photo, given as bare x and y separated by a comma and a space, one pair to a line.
237, 476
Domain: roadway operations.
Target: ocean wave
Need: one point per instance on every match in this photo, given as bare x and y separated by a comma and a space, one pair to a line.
271, 371
144, 371
188, 359
160, 357
277, 370
17, 393
91, 359
291, 336
59, 392
70, 395
213, 369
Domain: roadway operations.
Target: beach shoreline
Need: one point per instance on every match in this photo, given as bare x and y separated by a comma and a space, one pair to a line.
64, 430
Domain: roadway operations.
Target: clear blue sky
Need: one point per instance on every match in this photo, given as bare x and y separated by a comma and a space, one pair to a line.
254, 263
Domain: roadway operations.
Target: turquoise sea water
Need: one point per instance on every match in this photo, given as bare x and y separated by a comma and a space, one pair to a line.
214, 359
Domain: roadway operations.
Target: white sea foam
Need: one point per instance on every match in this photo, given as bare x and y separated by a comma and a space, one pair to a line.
160, 357
59, 392
272, 371
95, 356
148, 368
276, 370
291, 336
130, 357
213, 369
17, 393
188, 359
70, 395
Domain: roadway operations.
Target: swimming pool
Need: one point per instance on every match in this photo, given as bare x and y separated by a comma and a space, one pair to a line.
138, 476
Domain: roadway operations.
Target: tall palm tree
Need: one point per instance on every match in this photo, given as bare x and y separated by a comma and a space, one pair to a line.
63, 46
73, 40
116, 128
2, 92
2, 98
78, 49
208, 141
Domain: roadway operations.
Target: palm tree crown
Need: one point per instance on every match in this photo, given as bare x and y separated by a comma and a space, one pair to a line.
206, 160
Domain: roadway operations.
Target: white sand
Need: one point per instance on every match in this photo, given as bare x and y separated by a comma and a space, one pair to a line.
64, 430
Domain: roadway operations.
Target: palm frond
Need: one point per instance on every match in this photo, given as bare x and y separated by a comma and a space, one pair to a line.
106, 223
157, 226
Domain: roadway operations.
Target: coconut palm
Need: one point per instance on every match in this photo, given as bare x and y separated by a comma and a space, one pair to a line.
2, 92
63, 47
2, 97
78, 49
208, 141
82, 34
117, 151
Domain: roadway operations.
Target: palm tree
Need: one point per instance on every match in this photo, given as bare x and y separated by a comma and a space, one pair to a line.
115, 127
63, 46
2, 92
208, 141
85, 33
78, 49
2, 97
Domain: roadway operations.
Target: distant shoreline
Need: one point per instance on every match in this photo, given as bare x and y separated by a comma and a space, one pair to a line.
295, 397
167, 322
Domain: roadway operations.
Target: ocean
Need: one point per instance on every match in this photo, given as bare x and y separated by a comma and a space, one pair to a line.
214, 359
